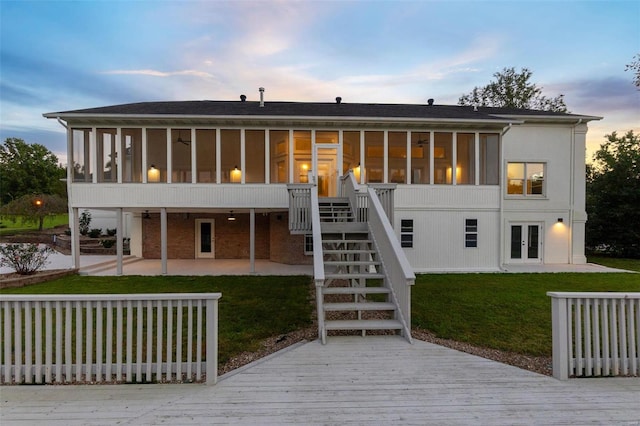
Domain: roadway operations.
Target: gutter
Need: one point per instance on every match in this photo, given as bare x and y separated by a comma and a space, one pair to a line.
502, 188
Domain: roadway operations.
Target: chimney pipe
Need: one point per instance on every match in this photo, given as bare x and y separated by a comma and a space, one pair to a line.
261, 97
243, 98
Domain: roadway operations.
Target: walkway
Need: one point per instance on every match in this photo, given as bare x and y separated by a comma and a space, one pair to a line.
351, 380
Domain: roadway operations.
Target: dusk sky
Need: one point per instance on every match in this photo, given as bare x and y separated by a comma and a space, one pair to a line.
63, 55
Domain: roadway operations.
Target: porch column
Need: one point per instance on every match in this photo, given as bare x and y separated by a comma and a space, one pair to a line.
252, 240
163, 239
75, 238
119, 244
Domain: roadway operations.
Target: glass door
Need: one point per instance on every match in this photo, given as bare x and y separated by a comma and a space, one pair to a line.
205, 238
526, 243
326, 170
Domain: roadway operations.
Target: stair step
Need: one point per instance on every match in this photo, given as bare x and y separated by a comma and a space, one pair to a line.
363, 325
344, 227
370, 306
346, 241
355, 290
349, 251
352, 276
351, 262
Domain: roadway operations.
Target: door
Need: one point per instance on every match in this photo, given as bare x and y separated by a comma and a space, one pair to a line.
526, 243
326, 170
205, 238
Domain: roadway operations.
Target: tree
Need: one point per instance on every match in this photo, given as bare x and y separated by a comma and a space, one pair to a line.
613, 196
635, 67
34, 208
513, 89
28, 169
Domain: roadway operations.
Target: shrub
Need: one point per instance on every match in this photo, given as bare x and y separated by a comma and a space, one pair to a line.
95, 232
84, 222
26, 259
107, 243
111, 232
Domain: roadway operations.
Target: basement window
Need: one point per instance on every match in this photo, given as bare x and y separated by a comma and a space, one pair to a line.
308, 244
471, 233
406, 233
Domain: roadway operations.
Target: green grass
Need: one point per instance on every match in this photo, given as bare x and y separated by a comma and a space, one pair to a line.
509, 312
613, 262
9, 227
251, 308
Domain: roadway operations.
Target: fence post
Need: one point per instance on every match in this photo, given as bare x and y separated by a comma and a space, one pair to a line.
560, 337
212, 341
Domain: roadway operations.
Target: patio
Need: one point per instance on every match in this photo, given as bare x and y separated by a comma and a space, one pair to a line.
373, 380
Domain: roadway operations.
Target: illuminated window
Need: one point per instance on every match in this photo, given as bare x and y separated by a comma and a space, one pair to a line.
526, 179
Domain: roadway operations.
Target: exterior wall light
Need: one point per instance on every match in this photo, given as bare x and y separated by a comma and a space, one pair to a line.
356, 173
560, 220
231, 217
153, 174
236, 175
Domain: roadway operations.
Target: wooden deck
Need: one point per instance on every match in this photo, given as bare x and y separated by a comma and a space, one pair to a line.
372, 380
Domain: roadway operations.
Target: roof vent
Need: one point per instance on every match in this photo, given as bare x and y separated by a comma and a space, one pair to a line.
430, 102
243, 98
261, 89
338, 100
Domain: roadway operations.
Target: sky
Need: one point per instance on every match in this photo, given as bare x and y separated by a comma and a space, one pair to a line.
67, 55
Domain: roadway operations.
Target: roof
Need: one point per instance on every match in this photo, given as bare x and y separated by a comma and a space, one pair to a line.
279, 109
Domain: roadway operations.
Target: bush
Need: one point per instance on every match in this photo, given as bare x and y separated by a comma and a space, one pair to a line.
26, 259
111, 232
107, 243
85, 222
95, 232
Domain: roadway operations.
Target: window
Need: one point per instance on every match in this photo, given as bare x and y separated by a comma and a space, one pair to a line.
466, 159
471, 233
525, 179
489, 159
406, 233
308, 244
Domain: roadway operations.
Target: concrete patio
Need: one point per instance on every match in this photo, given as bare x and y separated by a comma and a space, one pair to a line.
351, 380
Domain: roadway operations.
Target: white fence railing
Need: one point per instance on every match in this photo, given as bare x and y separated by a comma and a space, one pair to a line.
595, 334
92, 338
399, 276
300, 208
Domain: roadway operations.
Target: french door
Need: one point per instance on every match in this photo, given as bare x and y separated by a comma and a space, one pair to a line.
326, 169
525, 243
205, 238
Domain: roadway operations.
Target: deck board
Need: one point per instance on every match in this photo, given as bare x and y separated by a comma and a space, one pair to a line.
371, 380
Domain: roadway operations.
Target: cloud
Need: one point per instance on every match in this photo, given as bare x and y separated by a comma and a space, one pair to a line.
155, 73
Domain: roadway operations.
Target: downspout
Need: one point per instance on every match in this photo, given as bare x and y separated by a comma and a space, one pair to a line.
572, 188
501, 215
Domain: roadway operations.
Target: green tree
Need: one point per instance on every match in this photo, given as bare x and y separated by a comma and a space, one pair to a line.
512, 89
34, 208
28, 169
613, 196
634, 66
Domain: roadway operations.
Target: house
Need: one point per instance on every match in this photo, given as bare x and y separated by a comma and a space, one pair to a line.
468, 189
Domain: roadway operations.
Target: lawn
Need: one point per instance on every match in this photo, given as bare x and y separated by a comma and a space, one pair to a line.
614, 262
9, 227
502, 311
251, 308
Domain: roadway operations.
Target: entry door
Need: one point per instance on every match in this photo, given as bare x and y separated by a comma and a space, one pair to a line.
205, 238
325, 169
526, 243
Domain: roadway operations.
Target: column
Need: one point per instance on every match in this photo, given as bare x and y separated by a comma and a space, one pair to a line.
163, 239
252, 240
119, 242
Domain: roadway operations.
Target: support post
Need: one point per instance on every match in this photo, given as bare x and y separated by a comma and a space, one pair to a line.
560, 343
119, 243
163, 239
212, 341
75, 238
252, 240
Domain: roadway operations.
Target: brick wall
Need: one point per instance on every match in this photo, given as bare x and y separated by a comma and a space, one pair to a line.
285, 247
231, 238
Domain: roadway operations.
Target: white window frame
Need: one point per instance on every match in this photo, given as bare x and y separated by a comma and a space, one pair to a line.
524, 193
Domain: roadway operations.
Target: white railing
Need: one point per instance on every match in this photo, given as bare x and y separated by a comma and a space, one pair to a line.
385, 193
318, 261
300, 208
89, 338
595, 334
399, 276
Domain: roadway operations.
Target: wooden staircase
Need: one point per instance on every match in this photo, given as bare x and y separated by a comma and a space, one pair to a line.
353, 296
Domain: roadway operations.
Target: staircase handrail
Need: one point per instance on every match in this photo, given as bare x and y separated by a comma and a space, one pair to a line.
399, 276
318, 260
299, 207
